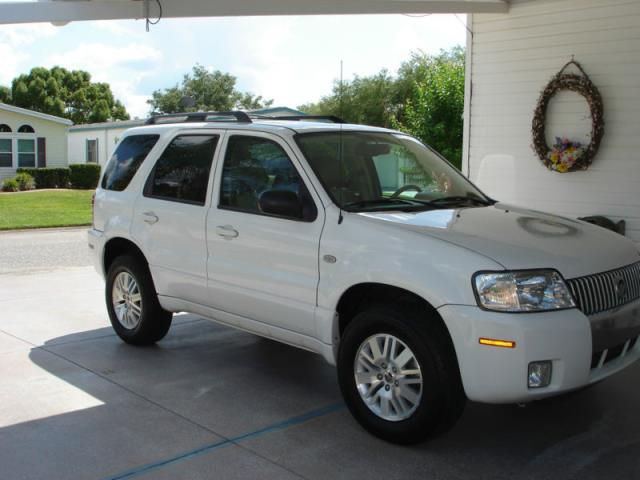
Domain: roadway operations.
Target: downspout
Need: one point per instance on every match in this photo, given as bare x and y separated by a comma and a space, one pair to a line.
468, 96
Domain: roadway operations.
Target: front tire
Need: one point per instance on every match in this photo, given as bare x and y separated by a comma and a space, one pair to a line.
399, 375
132, 303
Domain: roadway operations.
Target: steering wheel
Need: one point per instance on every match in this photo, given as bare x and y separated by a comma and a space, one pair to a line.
401, 190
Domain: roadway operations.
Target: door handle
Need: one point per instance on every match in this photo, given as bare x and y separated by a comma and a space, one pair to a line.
227, 231
150, 218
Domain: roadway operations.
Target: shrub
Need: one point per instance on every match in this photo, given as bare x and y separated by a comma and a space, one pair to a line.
25, 181
10, 185
84, 175
48, 177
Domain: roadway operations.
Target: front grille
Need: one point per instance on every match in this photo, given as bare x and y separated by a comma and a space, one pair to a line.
605, 291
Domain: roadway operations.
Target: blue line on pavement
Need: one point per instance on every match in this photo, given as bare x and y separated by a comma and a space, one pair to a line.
223, 443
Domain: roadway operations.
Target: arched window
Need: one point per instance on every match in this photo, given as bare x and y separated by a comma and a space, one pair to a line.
4, 128
26, 129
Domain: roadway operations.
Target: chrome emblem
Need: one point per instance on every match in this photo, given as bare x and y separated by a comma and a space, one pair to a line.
621, 289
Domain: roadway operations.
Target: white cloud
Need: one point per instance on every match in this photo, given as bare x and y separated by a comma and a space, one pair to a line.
123, 67
26, 34
11, 59
293, 60
263, 66
15, 41
135, 103
100, 58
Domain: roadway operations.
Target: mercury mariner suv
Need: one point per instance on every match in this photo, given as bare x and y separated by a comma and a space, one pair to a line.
365, 246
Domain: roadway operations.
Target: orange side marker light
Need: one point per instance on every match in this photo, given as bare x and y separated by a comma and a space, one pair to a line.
492, 342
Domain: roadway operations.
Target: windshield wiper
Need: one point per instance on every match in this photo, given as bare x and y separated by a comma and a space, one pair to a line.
457, 199
382, 201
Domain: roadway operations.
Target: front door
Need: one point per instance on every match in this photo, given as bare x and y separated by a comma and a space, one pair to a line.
263, 266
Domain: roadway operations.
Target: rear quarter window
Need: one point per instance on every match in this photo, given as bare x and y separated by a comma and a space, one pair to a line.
126, 160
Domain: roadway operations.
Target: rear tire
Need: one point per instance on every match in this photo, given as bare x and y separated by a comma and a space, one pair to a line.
132, 303
399, 375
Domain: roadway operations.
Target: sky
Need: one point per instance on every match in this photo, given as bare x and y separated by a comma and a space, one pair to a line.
292, 60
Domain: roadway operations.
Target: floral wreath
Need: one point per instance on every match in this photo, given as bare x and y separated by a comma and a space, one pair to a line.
566, 155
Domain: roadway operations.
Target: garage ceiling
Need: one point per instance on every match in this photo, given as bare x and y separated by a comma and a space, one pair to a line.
62, 11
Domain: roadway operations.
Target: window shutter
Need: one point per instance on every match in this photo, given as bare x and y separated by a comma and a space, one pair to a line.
42, 152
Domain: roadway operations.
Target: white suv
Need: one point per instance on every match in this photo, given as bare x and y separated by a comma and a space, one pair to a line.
365, 246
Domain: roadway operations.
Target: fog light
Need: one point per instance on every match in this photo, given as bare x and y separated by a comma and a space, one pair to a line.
539, 374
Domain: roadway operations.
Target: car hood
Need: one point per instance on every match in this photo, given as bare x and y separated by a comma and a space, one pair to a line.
518, 238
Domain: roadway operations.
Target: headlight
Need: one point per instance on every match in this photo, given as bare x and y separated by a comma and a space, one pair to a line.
522, 291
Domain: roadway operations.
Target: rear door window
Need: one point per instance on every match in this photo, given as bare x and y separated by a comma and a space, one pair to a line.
126, 160
181, 174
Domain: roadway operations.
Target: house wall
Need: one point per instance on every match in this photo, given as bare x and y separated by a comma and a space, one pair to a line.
55, 133
513, 56
107, 141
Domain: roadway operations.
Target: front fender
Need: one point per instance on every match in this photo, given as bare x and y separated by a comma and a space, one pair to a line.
376, 252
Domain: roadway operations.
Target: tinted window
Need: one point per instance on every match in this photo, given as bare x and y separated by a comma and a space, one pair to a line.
182, 171
126, 160
254, 165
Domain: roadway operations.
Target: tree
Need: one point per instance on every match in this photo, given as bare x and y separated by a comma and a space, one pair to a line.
69, 94
207, 91
5, 94
368, 100
425, 99
435, 101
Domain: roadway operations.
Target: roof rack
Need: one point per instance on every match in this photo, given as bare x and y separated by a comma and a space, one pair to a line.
330, 118
237, 116
240, 117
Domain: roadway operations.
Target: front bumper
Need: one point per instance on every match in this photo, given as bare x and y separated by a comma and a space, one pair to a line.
499, 375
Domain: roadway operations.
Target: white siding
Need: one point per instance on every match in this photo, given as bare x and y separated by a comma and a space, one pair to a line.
514, 55
107, 140
55, 133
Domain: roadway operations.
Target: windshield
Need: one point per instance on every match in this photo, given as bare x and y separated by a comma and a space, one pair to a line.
365, 171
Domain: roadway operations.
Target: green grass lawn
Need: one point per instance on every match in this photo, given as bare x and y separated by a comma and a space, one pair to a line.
50, 208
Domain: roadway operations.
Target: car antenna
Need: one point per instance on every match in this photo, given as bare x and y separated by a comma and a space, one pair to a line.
341, 146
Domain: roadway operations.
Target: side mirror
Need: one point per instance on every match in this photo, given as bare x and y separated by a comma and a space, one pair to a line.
283, 203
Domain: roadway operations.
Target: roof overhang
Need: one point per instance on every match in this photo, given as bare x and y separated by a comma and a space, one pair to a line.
32, 113
62, 11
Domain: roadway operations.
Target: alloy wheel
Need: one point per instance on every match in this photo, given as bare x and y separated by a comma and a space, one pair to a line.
127, 300
388, 377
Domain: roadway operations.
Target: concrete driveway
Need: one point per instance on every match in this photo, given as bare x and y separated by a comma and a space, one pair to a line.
210, 402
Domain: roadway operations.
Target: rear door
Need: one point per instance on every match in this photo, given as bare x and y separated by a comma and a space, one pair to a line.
263, 266
170, 213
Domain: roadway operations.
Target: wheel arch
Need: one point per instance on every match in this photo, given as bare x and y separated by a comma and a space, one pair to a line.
358, 296
119, 246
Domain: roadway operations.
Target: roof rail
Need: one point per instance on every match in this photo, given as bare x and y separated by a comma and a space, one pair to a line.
330, 118
240, 117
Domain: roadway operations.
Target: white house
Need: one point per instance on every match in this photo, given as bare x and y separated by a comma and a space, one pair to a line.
31, 139
511, 57
95, 142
